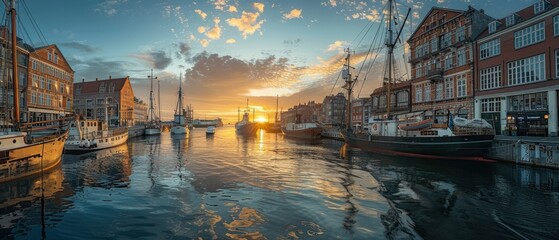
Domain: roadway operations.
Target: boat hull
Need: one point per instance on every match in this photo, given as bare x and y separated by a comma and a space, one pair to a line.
179, 130
152, 131
463, 147
248, 129
19, 159
76, 146
303, 134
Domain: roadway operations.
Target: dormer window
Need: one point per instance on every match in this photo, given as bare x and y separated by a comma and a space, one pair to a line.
539, 6
492, 27
510, 20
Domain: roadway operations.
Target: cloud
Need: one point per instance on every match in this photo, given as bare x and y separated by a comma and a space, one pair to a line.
247, 24
183, 50
232, 9
215, 32
80, 47
202, 14
201, 29
109, 7
294, 13
337, 45
204, 42
231, 40
99, 68
156, 59
258, 6
220, 4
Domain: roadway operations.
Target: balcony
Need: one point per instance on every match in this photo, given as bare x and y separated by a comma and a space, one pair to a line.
435, 74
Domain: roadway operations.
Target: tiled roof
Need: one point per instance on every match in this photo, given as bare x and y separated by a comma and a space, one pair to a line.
93, 86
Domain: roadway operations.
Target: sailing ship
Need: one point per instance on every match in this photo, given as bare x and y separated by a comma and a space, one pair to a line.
245, 127
92, 135
414, 137
301, 130
32, 147
180, 126
154, 126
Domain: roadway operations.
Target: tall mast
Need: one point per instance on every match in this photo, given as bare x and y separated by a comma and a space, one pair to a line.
159, 99
180, 96
151, 97
346, 74
277, 103
390, 45
15, 75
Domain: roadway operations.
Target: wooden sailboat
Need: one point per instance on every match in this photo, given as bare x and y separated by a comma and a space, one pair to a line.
154, 126
180, 126
27, 148
422, 138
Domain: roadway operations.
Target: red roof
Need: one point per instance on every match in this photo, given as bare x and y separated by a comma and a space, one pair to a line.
93, 86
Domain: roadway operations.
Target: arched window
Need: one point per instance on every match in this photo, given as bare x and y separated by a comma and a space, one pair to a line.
462, 112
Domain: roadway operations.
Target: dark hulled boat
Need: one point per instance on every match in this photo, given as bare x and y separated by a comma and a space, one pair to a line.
303, 131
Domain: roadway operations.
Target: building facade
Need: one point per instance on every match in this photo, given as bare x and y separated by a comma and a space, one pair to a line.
50, 89
140, 112
517, 71
400, 102
333, 110
302, 113
442, 56
110, 100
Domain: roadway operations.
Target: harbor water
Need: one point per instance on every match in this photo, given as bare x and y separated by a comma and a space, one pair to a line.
267, 187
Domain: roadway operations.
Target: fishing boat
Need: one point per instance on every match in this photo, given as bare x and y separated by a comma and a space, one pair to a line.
303, 131
245, 127
180, 126
153, 127
92, 135
421, 138
26, 148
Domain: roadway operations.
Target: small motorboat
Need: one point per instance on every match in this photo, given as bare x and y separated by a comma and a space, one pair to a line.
416, 125
210, 130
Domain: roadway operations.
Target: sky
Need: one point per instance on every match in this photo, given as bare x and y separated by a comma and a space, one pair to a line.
228, 51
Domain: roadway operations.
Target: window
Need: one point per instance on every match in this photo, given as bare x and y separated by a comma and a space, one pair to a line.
492, 26
490, 49
490, 105
539, 6
427, 95
461, 58
403, 98
448, 61
510, 20
418, 72
528, 102
526, 70
461, 85
418, 93
439, 92
50, 56
490, 78
556, 25
530, 35
557, 63
460, 34
445, 40
42, 83
434, 44
449, 88
56, 58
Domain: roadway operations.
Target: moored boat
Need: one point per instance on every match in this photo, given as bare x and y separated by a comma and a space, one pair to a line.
180, 126
303, 131
154, 126
210, 130
92, 135
245, 127
416, 124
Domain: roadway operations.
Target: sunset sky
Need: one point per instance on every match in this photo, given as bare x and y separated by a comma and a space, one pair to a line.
228, 50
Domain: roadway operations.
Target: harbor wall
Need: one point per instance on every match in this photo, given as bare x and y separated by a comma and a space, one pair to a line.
135, 131
533, 151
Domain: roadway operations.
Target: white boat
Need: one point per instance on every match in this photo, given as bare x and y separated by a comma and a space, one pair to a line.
27, 148
210, 130
93, 135
154, 126
180, 126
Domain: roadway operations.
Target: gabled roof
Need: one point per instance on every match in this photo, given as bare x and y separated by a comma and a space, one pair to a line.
524, 14
429, 15
43, 48
93, 86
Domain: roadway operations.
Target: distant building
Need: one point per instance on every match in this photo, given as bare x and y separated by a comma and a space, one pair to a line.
400, 101
357, 113
302, 113
140, 112
517, 71
109, 99
333, 110
442, 57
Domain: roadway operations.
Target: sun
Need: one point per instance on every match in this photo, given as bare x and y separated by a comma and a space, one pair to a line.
261, 119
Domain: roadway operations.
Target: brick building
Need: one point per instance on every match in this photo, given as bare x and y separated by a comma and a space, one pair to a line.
302, 113
333, 110
110, 99
442, 62
517, 71
140, 112
400, 101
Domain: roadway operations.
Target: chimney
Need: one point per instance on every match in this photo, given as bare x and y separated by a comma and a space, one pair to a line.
96, 79
110, 77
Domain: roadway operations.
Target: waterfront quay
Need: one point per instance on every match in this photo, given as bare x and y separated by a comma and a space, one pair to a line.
269, 187
535, 151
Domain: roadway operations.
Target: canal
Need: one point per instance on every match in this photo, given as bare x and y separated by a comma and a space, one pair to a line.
268, 187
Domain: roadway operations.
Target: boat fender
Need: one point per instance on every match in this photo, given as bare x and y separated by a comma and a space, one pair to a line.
86, 144
82, 143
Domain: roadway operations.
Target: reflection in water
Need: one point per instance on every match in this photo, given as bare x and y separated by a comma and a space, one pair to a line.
268, 187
